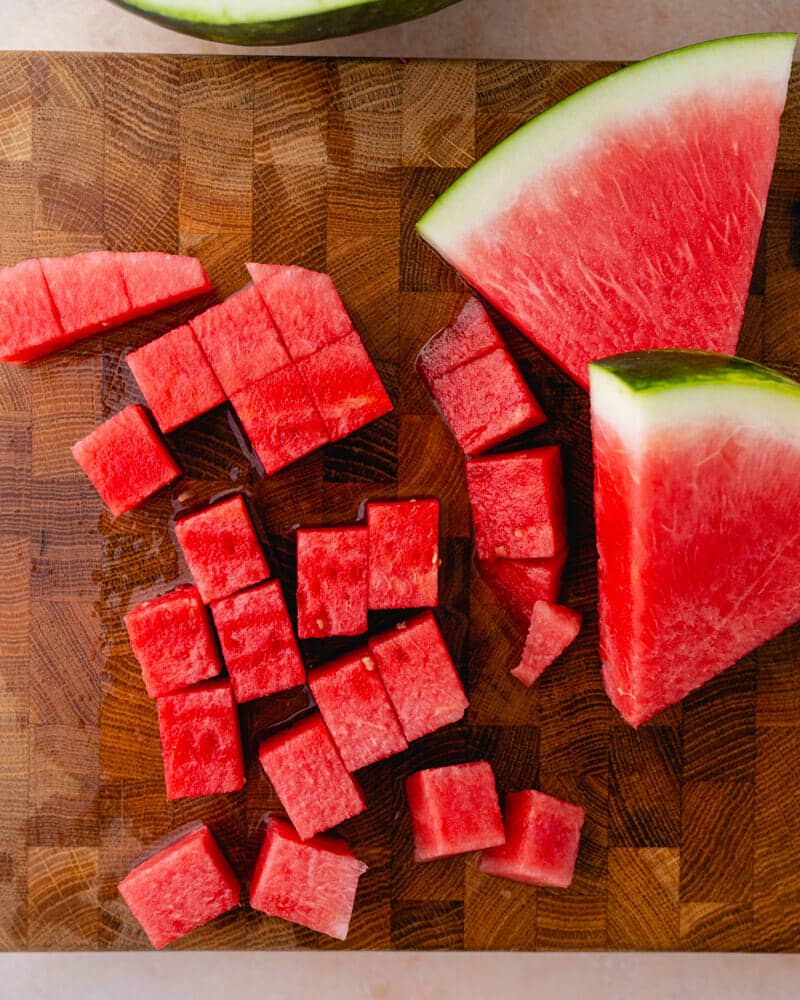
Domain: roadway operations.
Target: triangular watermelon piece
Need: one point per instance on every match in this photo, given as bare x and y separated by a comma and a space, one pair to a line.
627, 217
697, 506
157, 280
88, 292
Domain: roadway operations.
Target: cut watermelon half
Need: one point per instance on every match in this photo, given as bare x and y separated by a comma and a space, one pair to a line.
627, 216
697, 505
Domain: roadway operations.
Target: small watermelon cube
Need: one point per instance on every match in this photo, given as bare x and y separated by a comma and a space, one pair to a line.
552, 628
470, 337
542, 839
307, 773
520, 583
240, 340
454, 810
419, 675
156, 280
403, 554
280, 418
88, 292
221, 548
175, 378
518, 504
260, 650
125, 460
200, 741
172, 641
350, 695
29, 323
181, 887
312, 883
332, 581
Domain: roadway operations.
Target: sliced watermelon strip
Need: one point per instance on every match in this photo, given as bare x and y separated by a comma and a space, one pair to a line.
29, 323
154, 281
520, 583
552, 628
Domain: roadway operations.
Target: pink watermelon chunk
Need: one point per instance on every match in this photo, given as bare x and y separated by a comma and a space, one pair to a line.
88, 292
520, 583
403, 553
518, 504
469, 337
552, 628
200, 741
312, 883
454, 810
332, 580
627, 217
260, 650
419, 675
154, 281
221, 548
181, 887
29, 323
125, 460
308, 775
172, 641
176, 380
350, 695
542, 839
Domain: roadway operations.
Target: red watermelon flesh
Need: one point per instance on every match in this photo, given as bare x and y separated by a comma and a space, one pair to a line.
470, 337
403, 553
181, 887
88, 292
29, 323
309, 778
520, 583
312, 883
258, 644
332, 580
350, 695
542, 839
552, 628
154, 281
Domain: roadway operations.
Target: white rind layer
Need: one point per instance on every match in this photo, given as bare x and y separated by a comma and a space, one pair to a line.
244, 11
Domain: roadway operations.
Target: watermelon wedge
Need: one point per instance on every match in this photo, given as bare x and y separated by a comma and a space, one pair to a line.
697, 505
627, 216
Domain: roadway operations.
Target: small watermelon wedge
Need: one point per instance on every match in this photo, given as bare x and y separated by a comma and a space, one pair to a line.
627, 216
697, 507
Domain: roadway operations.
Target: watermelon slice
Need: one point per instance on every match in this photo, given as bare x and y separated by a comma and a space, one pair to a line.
469, 337
332, 580
154, 281
697, 502
520, 583
29, 323
552, 628
88, 292
627, 216
403, 553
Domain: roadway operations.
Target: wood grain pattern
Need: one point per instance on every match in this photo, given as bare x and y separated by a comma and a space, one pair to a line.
690, 840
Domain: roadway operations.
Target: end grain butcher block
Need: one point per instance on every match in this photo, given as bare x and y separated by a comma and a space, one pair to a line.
690, 834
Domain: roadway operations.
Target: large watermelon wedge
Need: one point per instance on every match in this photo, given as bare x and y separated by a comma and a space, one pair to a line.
627, 216
697, 506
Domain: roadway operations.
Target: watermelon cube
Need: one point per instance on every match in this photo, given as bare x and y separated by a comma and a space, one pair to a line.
518, 504
156, 280
88, 292
542, 839
419, 675
520, 583
200, 741
125, 460
454, 810
181, 887
175, 378
172, 641
307, 773
257, 641
350, 695
332, 581
471, 336
221, 548
305, 305
552, 628
240, 340
345, 386
403, 554
312, 883
29, 323
280, 418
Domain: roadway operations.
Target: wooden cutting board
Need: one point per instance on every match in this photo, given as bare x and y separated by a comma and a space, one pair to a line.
691, 840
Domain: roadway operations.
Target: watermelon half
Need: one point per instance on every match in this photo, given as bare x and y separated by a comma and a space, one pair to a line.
627, 217
697, 506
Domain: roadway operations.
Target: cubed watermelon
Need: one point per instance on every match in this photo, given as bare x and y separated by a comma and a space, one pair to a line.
520, 583
312, 883
454, 810
332, 579
257, 641
157, 280
350, 695
307, 773
200, 741
181, 887
29, 323
470, 337
518, 504
125, 460
542, 839
552, 628
403, 554
175, 378
240, 340
419, 675
88, 292
221, 548
172, 641
280, 418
